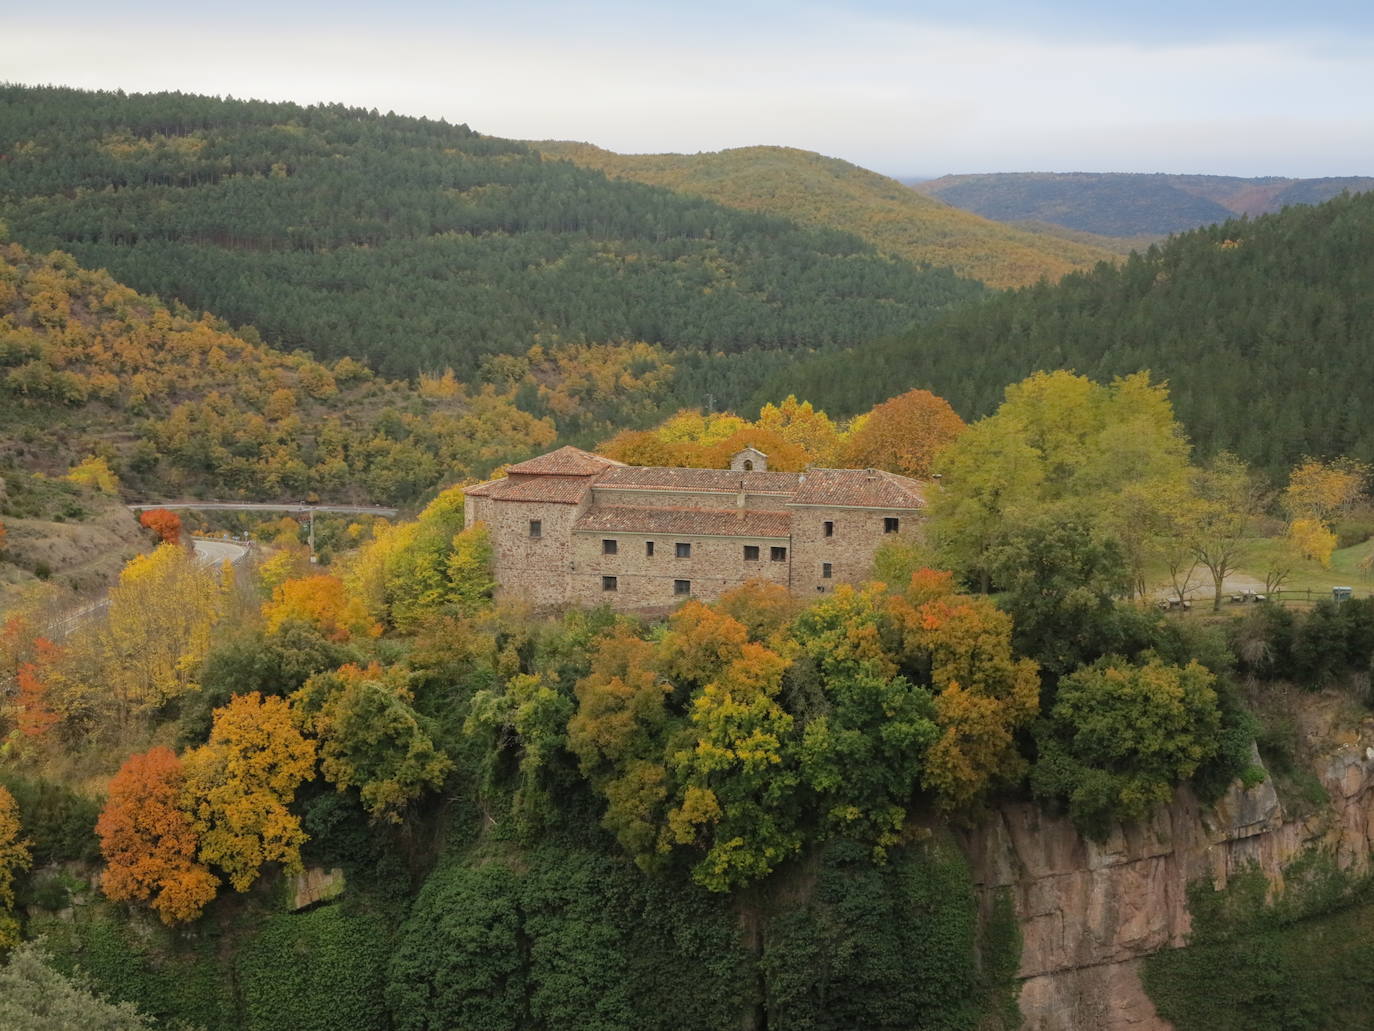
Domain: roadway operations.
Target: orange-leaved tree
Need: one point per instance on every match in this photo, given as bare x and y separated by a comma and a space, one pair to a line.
323, 601
34, 716
166, 524
902, 435
240, 783
148, 840
983, 693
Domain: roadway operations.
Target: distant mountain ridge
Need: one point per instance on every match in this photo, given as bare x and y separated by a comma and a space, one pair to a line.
1130, 204
824, 192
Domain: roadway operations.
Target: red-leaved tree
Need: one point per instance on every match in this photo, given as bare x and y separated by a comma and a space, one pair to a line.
167, 525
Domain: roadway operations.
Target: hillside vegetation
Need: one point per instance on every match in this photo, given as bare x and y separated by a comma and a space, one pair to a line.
1130, 204
177, 404
418, 245
1261, 327
829, 193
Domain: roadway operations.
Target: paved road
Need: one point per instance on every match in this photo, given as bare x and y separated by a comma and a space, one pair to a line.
260, 506
209, 550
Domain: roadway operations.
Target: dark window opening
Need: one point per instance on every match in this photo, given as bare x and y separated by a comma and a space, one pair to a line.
749, 465
609, 583
536, 528
826, 570
648, 549
609, 547
683, 550
682, 586
829, 528
751, 553
891, 524
777, 554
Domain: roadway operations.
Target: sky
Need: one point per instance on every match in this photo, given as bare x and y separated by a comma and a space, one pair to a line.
909, 89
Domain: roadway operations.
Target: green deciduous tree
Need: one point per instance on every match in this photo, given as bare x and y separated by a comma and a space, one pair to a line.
1121, 737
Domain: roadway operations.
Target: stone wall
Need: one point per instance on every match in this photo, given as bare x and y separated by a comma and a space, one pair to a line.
537, 570
645, 582
1090, 913
858, 533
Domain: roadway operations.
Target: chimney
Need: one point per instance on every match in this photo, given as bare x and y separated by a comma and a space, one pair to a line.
739, 499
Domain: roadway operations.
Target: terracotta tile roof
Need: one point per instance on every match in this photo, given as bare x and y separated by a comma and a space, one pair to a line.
633, 477
721, 522
566, 461
562, 490
861, 488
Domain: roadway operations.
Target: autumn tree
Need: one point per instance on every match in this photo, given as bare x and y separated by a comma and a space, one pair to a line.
984, 694
240, 783
322, 601
736, 774
34, 714
1062, 446
1320, 490
370, 738
95, 474
903, 435
802, 424
470, 570
148, 841
164, 523
158, 629
620, 734
15, 857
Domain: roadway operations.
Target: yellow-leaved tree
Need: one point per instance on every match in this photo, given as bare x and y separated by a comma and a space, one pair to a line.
158, 630
240, 783
96, 474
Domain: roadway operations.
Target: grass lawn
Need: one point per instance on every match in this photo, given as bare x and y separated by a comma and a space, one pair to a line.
1308, 575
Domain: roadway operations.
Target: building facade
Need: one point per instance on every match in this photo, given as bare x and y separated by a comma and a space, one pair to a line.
573, 527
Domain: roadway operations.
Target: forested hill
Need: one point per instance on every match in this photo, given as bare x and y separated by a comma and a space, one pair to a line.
1125, 204
827, 192
1263, 329
418, 244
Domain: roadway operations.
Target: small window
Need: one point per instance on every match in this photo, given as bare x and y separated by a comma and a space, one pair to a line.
682, 586
826, 571
749, 465
536, 529
829, 528
777, 554
648, 549
609, 547
891, 524
751, 553
684, 550
609, 583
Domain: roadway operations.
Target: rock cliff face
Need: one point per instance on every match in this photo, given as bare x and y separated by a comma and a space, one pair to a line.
1090, 913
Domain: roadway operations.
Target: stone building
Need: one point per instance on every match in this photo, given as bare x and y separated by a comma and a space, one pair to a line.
570, 526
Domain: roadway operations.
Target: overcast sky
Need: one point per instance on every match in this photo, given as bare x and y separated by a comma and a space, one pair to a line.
1252, 88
